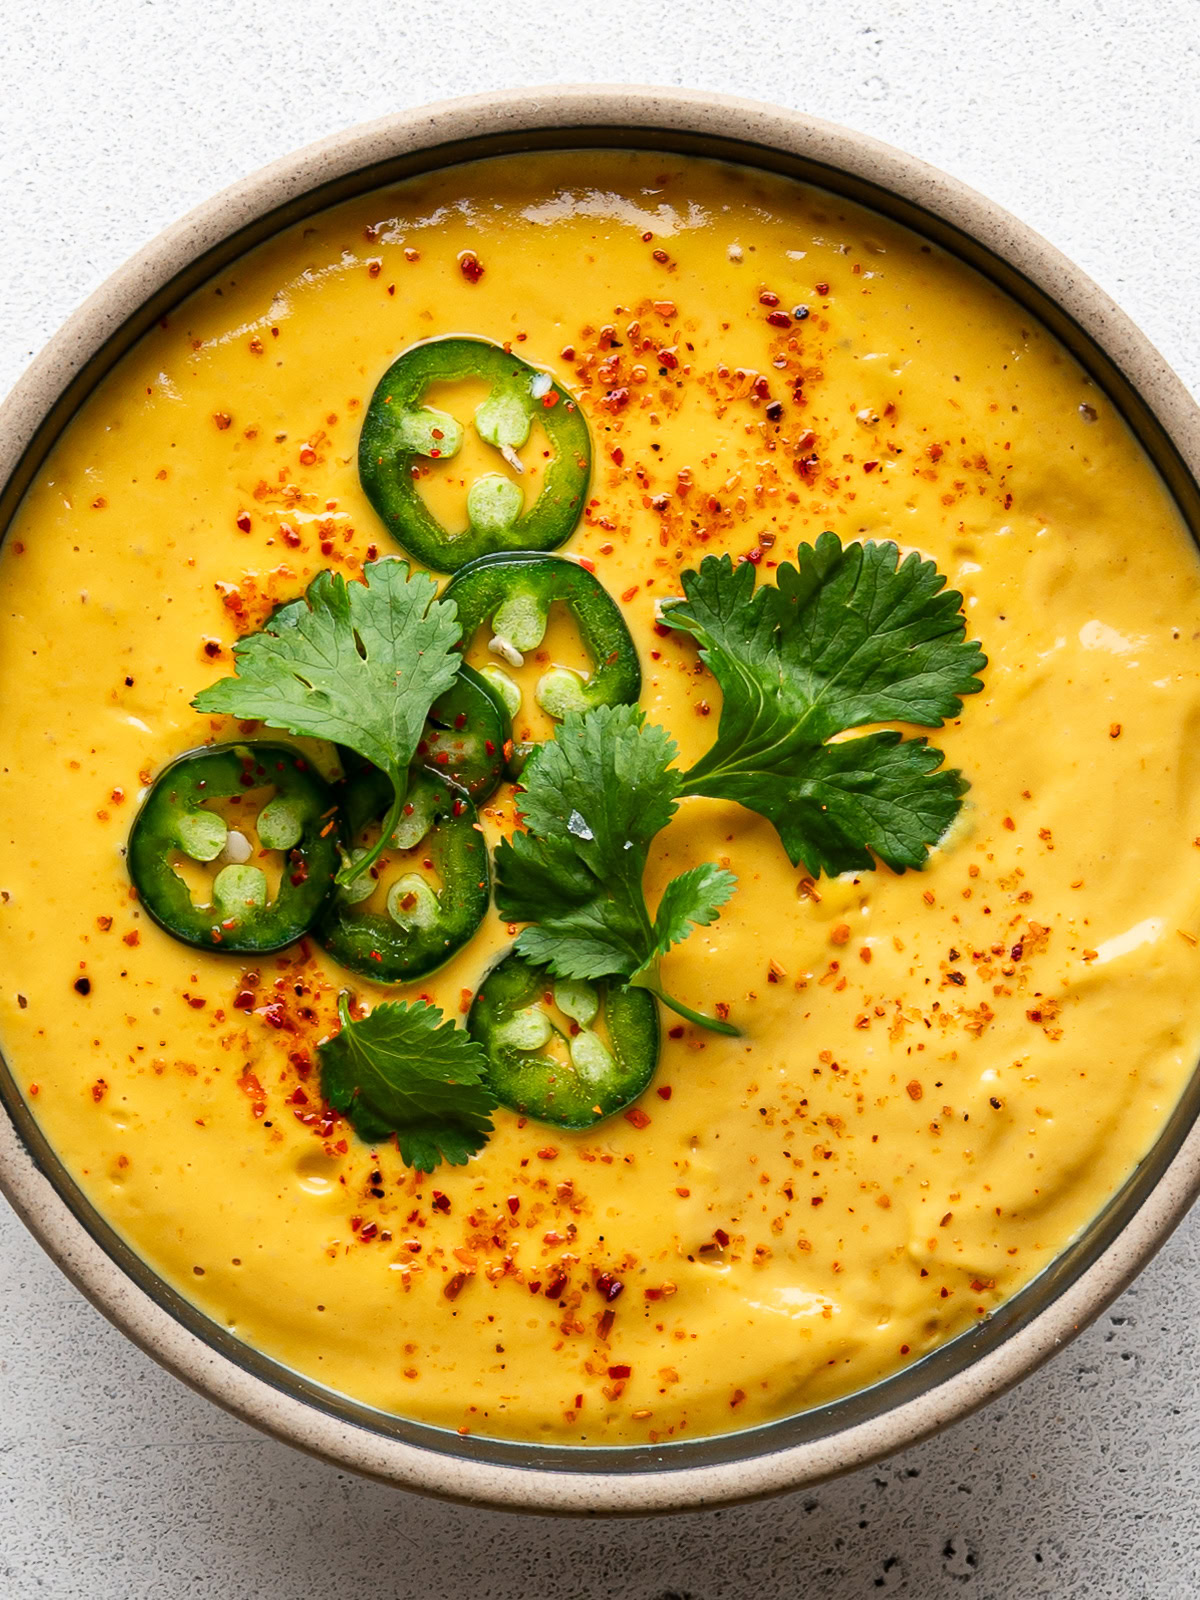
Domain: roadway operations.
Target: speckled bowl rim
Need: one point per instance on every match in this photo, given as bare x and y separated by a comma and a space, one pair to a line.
971, 1369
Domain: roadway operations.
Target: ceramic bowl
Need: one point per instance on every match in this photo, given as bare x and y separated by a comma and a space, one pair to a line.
969, 1370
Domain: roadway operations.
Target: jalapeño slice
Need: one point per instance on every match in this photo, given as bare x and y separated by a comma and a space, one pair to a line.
560, 1050
205, 808
400, 431
513, 594
395, 928
468, 736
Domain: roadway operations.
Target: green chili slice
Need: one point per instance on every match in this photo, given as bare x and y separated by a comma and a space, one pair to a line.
397, 930
175, 823
400, 432
513, 594
564, 1052
467, 736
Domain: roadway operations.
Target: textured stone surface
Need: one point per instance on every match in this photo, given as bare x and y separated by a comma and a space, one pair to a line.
115, 1481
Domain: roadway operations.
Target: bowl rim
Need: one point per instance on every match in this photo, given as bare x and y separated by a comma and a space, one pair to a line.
439, 135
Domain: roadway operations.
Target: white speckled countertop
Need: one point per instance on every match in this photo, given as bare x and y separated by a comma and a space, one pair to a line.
116, 1482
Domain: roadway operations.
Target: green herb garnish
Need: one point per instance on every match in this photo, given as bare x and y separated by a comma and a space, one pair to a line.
404, 1069
848, 637
594, 798
359, 664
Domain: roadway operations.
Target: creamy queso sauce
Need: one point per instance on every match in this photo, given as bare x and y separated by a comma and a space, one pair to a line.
943, 1075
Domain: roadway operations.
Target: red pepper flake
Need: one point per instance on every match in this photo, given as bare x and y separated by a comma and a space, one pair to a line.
665, 1092
668, 358
556, 1286
99, 1090
637, 1118
629, 593
869, 466
913, 1089
550, 399
243, 521
83, 986
611, 1288
620, 1372
721, 1237
584, 562
821, 288
441, 1202
604, 1326
548, 1152
514, 1204
471, 268
222, 420
766, 298
675, 1032
454, 1288
779, 319
244, 1000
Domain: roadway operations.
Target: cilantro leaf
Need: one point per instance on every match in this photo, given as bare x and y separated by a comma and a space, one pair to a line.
359, 664
403, 1069
691, 900
847, 637
594, 799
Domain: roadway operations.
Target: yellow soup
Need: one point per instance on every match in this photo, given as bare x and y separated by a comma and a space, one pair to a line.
943, 1074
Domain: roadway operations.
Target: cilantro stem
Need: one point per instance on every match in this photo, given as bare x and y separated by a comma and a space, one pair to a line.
355, 869
649, 979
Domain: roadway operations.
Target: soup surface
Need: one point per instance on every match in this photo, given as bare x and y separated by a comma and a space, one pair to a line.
942, 1074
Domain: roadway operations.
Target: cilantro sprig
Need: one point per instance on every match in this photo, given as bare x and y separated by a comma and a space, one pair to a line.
594, 798
356, 663
404, 1069
847, 637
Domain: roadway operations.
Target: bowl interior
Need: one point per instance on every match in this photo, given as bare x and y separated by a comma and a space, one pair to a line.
958, 1355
